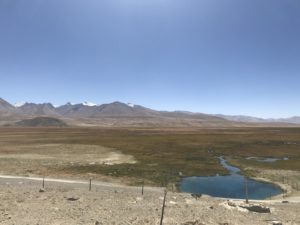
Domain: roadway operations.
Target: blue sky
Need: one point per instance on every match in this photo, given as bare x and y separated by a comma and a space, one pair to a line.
211, 56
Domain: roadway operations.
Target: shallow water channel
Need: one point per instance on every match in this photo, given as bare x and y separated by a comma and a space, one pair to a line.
229, 186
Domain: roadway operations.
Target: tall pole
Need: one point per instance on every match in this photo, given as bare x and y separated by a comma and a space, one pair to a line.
163, 209
246, 190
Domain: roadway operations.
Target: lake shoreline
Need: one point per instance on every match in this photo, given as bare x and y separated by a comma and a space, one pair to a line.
233, 185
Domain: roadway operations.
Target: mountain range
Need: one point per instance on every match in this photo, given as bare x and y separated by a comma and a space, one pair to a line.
121, 114
250, 119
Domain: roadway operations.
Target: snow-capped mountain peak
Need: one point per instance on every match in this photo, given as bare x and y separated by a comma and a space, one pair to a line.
89, 104
130, 104
19, 104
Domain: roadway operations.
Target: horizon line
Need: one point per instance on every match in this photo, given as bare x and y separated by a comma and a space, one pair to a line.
92, 104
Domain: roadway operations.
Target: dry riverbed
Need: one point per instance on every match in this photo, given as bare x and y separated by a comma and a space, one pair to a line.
21, 202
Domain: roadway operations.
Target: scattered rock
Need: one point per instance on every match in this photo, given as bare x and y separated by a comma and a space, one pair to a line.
188, 202
72, 199
276, 223
132, 202
257, 208
42, 190
232, 204
211, 207
98, 223
196, 222
7, 216
285, 201
251, 208
196, 196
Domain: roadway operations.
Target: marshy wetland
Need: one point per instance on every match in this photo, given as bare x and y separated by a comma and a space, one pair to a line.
158, 157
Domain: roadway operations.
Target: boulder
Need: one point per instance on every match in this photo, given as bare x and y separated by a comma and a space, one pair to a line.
257, 208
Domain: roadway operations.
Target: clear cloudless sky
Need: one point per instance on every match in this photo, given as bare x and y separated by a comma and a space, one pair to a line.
210, 56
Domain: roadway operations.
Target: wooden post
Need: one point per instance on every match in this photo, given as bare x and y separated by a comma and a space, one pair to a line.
163, 209
90, 186
143, 188
43, 184
246, 190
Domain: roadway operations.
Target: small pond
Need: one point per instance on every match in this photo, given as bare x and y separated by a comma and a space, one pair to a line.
267, 159
229, 186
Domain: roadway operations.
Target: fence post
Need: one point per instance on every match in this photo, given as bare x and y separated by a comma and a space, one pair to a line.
163, 208
246, 190
143, 188
90, 186
43, 183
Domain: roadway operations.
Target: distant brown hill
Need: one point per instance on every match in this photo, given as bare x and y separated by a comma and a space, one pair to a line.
41, 122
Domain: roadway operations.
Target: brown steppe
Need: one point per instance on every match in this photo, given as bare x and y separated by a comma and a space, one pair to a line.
128, 156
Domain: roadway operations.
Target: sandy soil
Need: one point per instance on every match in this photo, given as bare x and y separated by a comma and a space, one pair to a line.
22, 203
66, 152
24, 159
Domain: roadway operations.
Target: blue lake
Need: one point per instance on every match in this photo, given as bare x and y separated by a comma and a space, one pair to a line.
230, 186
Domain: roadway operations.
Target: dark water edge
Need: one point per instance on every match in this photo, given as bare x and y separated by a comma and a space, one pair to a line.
229, 186
267, 159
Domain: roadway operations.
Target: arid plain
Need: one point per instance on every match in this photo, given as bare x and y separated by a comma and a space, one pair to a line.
153, 156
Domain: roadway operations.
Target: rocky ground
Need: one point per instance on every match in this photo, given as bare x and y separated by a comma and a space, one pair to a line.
23, 202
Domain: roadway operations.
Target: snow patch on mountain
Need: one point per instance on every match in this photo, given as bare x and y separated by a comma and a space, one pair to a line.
19, 104
89, 104
130, 104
